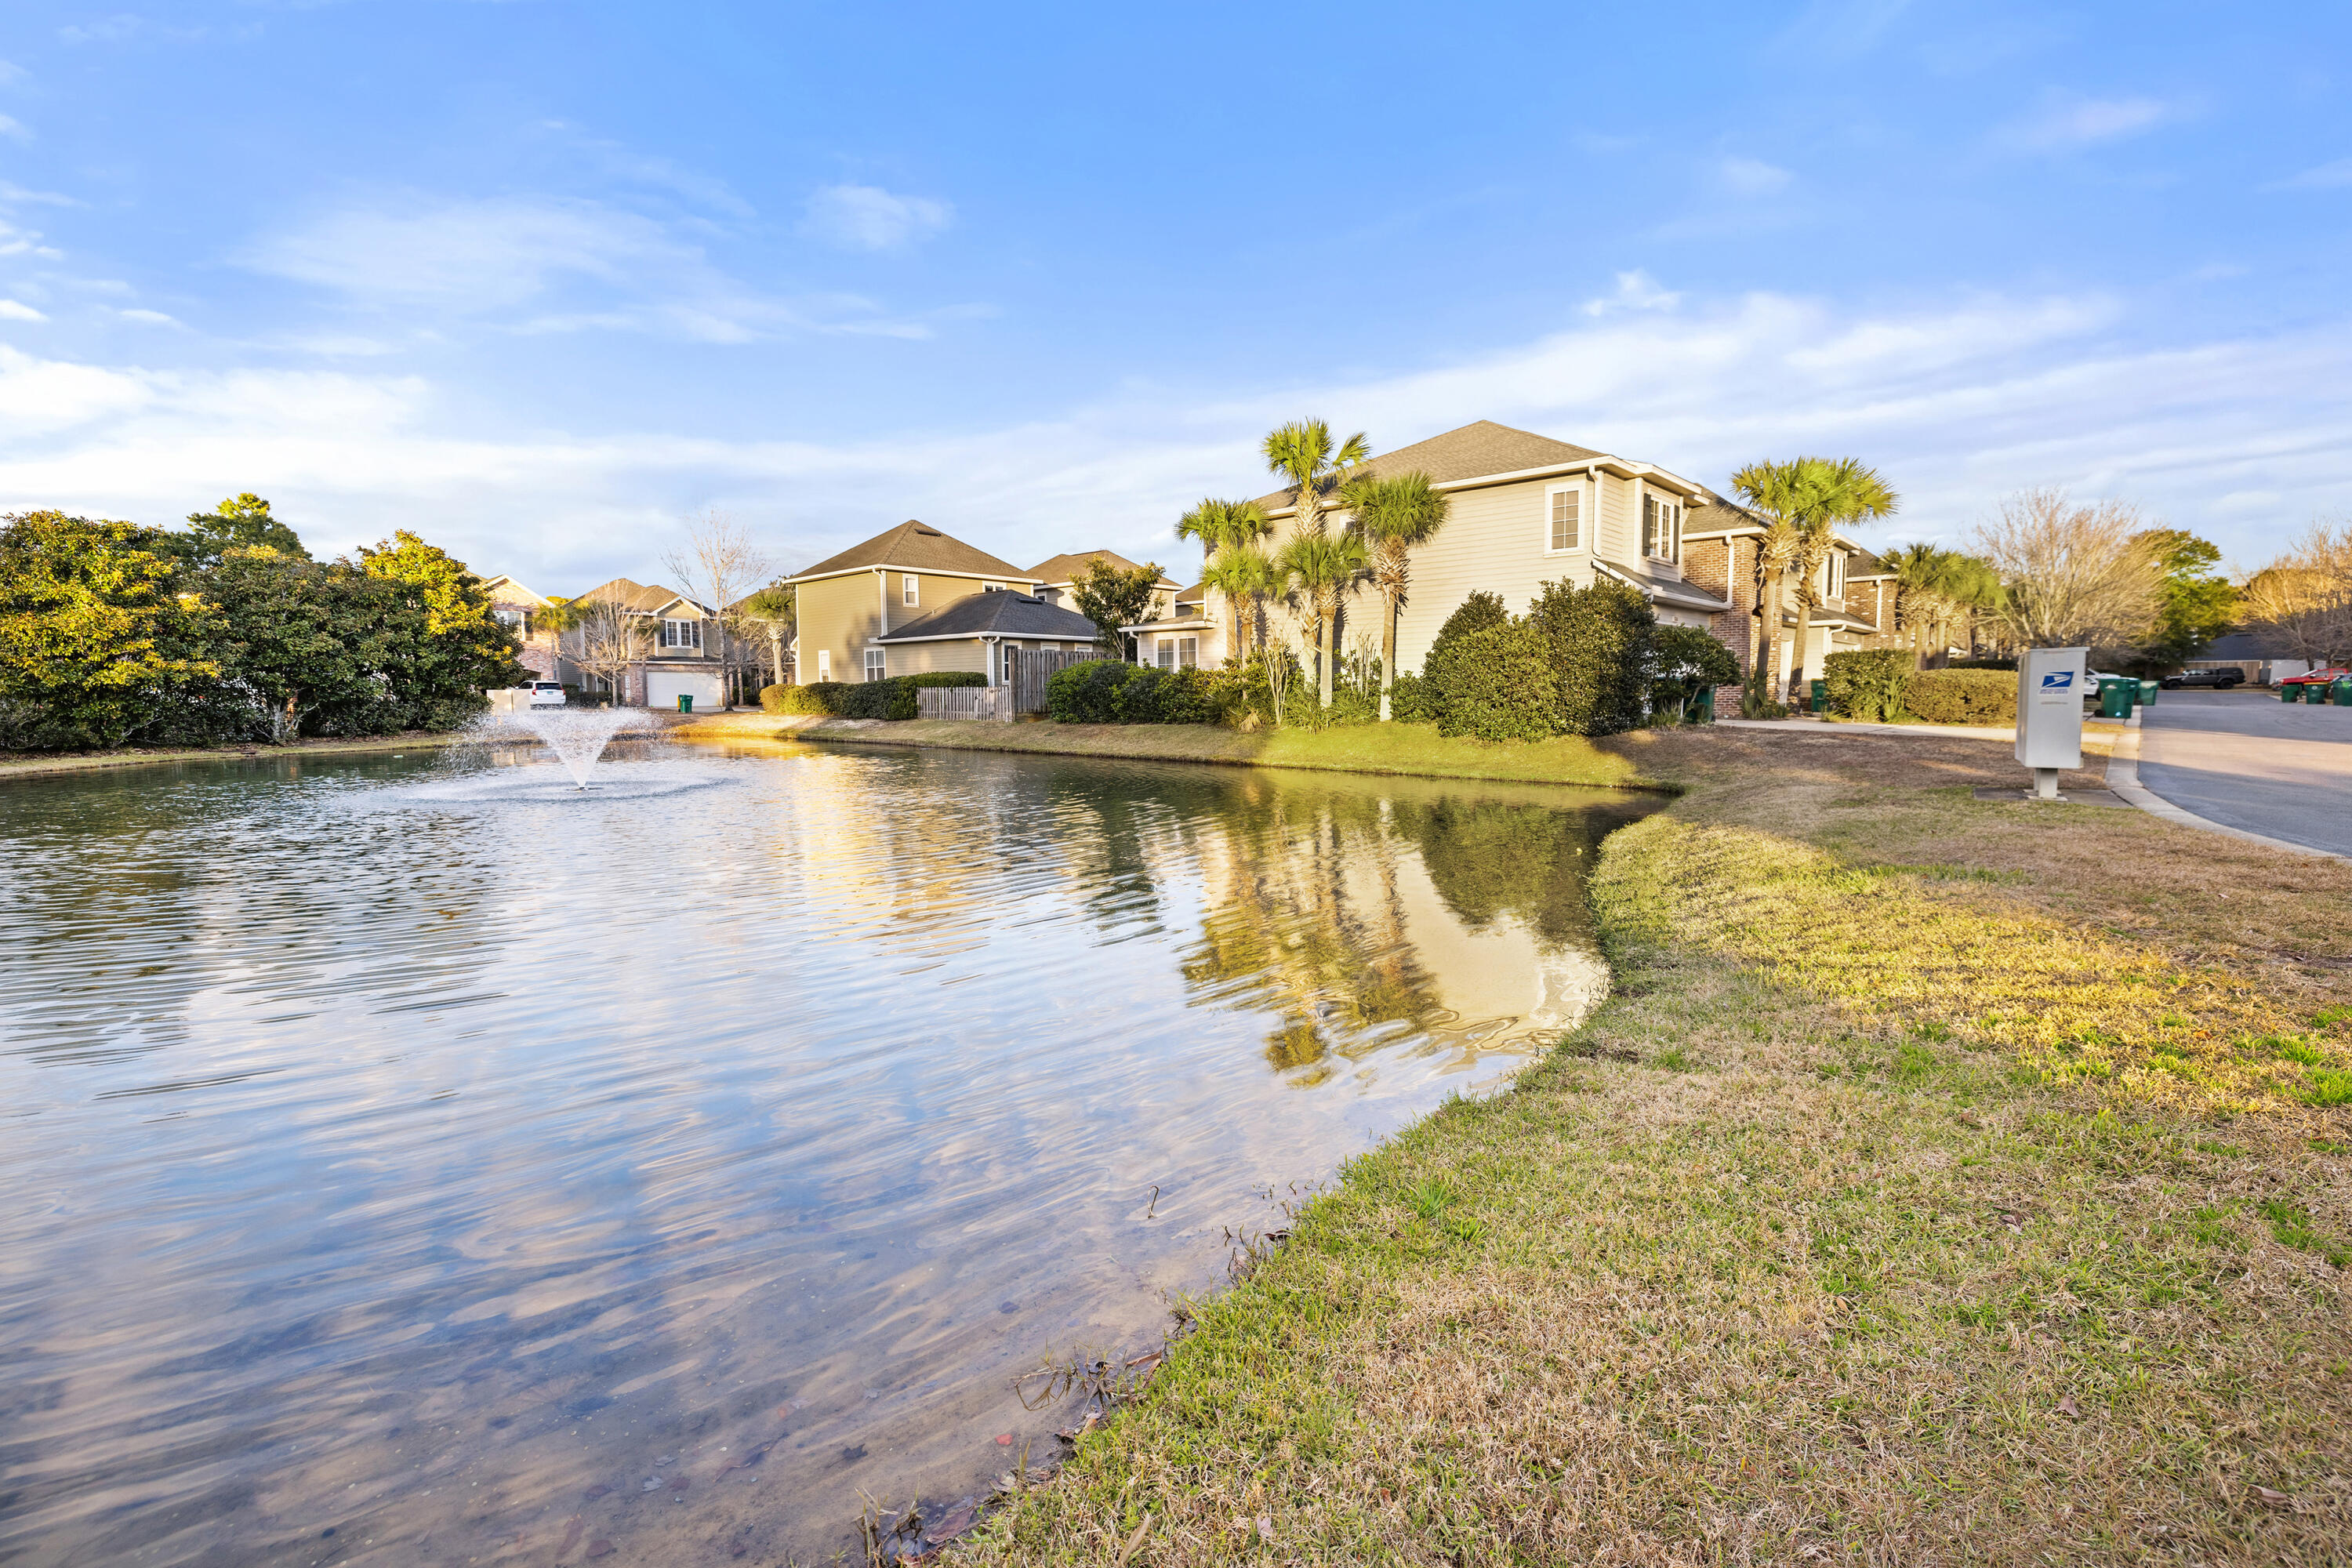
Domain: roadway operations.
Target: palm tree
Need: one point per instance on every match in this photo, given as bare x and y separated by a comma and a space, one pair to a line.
1241, 572
771, 607
1320, 568
1219, 524
1812, 497
1392, 515
1301, 453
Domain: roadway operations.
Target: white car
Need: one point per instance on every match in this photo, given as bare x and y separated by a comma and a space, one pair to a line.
547, 694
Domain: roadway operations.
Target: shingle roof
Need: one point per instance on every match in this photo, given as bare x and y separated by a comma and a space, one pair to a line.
1471, 452
637, 597
1064, 568
920, 547
1004, 613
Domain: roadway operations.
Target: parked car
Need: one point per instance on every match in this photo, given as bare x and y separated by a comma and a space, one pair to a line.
2220, 679
2316, 677
547, 694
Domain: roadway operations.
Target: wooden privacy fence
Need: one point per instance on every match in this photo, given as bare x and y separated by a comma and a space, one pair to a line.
1027, 671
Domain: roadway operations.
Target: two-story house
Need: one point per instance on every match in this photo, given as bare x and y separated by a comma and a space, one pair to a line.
1527, 510
1057, 575
674, 648
901, 604
520, 612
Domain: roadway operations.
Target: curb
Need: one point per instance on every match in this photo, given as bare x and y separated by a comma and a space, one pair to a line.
2123, 778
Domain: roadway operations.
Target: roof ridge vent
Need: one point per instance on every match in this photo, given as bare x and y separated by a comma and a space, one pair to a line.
927, 528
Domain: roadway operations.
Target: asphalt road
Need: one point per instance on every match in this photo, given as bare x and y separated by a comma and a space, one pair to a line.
2249, 761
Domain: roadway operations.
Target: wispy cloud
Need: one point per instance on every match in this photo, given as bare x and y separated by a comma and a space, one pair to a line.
545, 265
2066, 122
1960, 401
1636, 290
867, 217
1752, 177
2325, 177
15, 128
122, 27
17, 311
148, 318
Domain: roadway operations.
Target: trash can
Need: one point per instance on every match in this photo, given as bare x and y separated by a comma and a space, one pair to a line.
2343, 690
2148, 690
1702, 710
2115, 698
2290, 692
1820, 696
685, 702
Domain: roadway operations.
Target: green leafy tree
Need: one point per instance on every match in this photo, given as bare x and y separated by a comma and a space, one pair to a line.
94, 643
1392, 515
1494, 681
1937, 592
2198, 604
1686, 663
1598, 655
1304, 455
242, 522
440, 644
296, 639
1112, 598
1320, 570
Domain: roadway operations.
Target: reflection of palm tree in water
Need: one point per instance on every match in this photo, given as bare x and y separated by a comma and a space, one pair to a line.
1288, 929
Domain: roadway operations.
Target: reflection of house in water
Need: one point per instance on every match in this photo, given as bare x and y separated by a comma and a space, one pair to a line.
1352, 916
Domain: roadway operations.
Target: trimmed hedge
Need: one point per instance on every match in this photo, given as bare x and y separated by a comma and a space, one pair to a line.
1963, 697
1110, 691
1409, 700
1867, 683
1495, 684
1087, 693
1599, 640
891, 699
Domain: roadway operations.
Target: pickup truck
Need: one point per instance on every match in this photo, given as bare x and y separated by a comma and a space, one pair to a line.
2220, 679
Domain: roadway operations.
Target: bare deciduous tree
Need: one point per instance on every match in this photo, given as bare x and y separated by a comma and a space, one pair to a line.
717, 563
2072, 576
612, 638
2303, 600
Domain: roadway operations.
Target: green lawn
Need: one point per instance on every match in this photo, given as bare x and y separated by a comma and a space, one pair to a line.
1949, 1180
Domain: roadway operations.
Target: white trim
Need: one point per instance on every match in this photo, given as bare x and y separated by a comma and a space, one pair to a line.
824, 664
911, 589
1621, 466
923, 571
900, 641
1582, 491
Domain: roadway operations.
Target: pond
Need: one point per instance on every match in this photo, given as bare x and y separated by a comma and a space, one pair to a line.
410, 1161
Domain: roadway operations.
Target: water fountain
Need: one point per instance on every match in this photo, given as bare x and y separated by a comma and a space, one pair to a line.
576, 735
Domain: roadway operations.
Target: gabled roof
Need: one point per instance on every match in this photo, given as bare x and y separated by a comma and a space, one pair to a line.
1004, 613
916, 547
1471, 452
504, 589
1061, 571
638, 596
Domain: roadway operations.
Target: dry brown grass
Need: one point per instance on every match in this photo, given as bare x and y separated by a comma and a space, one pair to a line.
1925, 1195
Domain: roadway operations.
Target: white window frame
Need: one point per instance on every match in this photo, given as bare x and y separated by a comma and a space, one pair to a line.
910, 589
1187, 653
877, 664
825, 664
1662, 526
681, 634
1581, 541
1163, 653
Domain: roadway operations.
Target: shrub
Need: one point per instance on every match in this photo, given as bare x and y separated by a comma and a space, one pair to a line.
891, 699
1868, 683
1480, 612
1495, 684
1684, 663
1409, 700
2008, 664
1199, 696
1136, 698
1596, 643
1087, 693
1963, 697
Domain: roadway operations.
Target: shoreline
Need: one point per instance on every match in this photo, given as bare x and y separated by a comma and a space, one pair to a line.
23, 764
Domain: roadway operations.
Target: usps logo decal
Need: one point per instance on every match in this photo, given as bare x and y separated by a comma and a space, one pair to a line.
2059, 681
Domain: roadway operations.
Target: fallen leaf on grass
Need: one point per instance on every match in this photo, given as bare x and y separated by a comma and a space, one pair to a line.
1004, 1439
2066, 1404
2275, 1499
1265, 1528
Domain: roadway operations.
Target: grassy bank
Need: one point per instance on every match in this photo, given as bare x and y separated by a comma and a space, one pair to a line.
1414, 750
1947, 1181
23, 764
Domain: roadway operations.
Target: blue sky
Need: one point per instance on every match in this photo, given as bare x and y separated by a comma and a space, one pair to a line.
540, 279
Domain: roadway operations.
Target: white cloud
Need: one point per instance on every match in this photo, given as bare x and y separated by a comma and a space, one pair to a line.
2325, 177
867, 217
121, 27
2067, 122
542, 265
11, 73
1752, 177
14, 311
1636, 290
9, 127
1959, 401
149, 318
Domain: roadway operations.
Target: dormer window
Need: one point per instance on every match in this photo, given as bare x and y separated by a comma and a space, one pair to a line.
1662, 527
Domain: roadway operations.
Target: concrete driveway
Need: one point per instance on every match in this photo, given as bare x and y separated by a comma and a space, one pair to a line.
2248, 761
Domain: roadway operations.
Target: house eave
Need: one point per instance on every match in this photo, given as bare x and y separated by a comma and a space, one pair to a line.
1623, 468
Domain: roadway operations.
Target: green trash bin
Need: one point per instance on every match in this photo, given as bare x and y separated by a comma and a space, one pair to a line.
1820, 696
2115, 698
685, 702
2148, 690
1702, 710
2289, 692
2342, 687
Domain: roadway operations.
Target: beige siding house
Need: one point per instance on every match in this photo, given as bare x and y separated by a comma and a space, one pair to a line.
682, 655
1056, 574
518, 609
1722, 544
1527, 510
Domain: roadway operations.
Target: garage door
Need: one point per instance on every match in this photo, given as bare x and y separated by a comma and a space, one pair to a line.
664, 688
